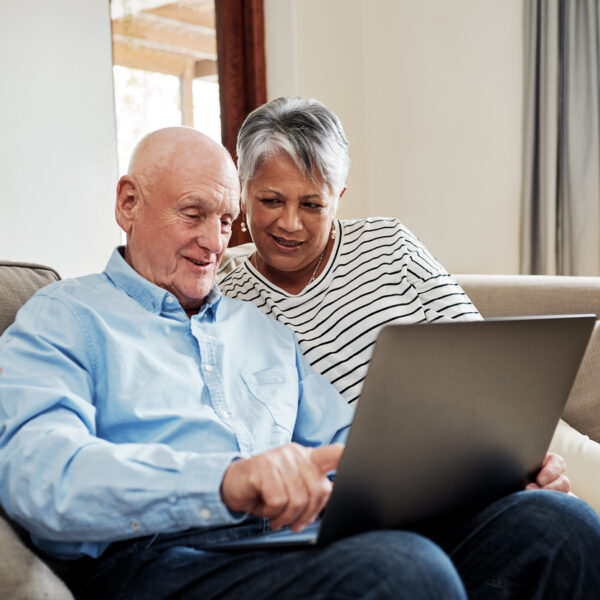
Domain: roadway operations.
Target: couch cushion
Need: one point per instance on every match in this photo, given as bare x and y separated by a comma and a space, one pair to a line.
18, 282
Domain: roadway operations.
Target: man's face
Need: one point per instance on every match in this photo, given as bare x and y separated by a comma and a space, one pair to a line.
181, 226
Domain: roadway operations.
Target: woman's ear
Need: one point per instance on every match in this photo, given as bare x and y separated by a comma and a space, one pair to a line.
127, 202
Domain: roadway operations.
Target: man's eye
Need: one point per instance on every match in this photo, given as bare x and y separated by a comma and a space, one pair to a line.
191, 215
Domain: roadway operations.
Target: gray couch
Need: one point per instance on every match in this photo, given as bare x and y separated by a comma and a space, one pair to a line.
24, 576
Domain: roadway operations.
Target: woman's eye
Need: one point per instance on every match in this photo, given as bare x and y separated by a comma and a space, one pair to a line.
269, 201
312, 205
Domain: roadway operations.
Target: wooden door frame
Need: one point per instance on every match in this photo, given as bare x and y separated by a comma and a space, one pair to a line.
242, 71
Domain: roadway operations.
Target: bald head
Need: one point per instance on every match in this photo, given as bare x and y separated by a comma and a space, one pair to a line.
172, 149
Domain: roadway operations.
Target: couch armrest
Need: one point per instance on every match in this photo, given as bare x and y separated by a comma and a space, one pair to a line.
24, 576
18, 282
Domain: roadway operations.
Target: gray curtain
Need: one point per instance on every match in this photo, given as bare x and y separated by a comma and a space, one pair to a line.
560, 221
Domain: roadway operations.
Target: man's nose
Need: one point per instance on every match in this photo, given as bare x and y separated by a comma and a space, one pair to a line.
211, 236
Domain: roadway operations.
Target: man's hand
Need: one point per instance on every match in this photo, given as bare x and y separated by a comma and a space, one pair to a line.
287, 484
552, 475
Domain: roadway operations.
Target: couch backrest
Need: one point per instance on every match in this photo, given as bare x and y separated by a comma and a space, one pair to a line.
514, 295
18, 282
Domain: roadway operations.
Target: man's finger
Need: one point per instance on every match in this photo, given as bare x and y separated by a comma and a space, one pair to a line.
327, 458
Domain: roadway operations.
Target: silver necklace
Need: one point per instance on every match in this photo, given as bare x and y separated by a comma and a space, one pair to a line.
314, 273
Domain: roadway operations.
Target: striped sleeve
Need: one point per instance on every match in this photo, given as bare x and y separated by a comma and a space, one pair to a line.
441, 297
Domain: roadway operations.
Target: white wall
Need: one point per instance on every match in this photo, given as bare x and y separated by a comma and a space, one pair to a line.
430, 95
58, 164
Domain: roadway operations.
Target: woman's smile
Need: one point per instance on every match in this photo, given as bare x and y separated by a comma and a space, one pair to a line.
287, 244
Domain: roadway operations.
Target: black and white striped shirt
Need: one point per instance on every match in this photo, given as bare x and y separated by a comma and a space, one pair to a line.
377, 273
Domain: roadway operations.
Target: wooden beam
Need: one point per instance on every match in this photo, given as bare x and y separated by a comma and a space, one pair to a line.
190, 29
168, 35
195, 12
135, 55
205, 68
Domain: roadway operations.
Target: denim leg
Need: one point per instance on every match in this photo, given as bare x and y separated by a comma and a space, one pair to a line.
529, 545
370, 566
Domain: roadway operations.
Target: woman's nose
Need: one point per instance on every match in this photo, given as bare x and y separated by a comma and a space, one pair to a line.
290, 219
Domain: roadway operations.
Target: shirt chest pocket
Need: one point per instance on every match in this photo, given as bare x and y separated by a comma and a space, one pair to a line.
272, 392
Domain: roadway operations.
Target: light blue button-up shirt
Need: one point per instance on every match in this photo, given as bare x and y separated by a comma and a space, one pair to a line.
119, 414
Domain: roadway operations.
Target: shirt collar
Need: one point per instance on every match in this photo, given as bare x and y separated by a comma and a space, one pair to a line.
211, 303
152, 297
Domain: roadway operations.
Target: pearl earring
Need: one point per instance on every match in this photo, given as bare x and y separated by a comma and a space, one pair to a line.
333, 232
243, 225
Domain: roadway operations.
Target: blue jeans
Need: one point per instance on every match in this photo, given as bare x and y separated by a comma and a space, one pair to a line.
529, 545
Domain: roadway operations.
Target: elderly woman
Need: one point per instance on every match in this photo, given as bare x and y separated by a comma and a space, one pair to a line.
334, 282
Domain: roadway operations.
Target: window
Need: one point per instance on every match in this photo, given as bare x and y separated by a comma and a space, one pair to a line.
165, 69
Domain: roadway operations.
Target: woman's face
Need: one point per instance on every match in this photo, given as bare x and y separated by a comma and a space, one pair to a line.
289, 216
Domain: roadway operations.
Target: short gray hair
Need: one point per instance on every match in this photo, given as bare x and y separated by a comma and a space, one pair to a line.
304, 129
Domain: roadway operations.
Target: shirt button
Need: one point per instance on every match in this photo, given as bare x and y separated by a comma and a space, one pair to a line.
208, 368
205, 513
134, 525
226, 414
169, 299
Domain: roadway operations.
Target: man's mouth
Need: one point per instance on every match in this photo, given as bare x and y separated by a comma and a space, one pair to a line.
199, 263
287, 243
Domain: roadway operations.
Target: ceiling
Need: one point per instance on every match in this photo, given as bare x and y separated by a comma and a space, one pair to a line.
176, 38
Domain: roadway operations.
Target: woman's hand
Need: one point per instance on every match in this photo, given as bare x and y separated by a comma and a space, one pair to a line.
552, 475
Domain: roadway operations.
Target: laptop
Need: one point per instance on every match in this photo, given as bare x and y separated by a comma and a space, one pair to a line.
452, 416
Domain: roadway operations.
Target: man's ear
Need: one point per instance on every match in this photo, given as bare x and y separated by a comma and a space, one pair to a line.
128, 199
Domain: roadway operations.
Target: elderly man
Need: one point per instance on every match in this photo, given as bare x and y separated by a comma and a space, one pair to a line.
143, 417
